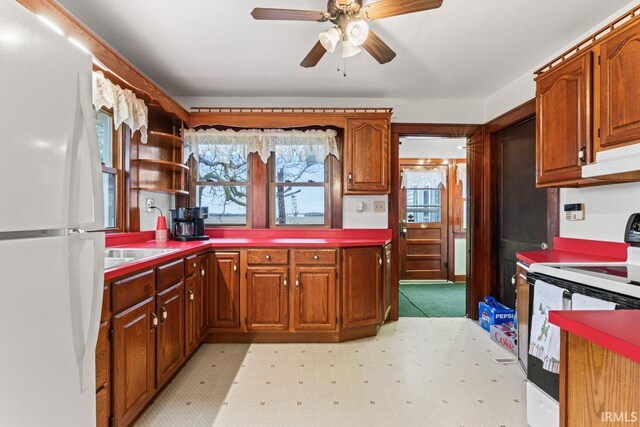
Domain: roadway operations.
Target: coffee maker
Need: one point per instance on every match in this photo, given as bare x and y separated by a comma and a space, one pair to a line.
188, 224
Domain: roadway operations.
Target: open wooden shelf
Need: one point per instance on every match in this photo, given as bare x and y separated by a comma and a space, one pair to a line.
162, 190
162, 164
163, 137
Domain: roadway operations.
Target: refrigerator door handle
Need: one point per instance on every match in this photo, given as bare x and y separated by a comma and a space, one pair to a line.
85, 342
87, 117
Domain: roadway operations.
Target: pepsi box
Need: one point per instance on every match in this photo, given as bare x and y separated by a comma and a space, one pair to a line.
491, 312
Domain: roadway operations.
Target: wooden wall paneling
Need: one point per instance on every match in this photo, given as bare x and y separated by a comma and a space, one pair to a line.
394, 221
258, 216
118, 66
336, 184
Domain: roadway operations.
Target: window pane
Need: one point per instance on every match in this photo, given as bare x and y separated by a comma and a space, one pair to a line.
109, 189
292, 167
220, 165
104, 124
227, 204
424, 205
299, 205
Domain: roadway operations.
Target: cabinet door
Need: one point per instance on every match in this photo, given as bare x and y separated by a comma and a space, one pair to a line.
134, 355
362, 271
191, 329
386, 284
224, 295
202, 299
315, 298
564, 122
103, 410
367, 154
522, 293
267, 298
620, 89
170, 343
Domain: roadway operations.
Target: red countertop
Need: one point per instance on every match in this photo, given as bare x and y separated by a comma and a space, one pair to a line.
577, 250
615, 330
240, 238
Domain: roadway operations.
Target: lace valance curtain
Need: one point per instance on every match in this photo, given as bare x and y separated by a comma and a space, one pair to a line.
226, 144
461, 177
127, 108
424, 178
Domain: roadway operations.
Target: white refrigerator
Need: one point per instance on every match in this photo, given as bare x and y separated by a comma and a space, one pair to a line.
51, 264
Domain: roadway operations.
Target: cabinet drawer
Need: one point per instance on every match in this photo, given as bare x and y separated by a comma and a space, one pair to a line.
190, 265
315, 256
170, 274
268, 256
132, 290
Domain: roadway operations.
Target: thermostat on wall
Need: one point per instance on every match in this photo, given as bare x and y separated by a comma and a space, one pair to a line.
574, 211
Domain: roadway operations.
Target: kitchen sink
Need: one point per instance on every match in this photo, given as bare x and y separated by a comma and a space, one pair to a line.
116, 257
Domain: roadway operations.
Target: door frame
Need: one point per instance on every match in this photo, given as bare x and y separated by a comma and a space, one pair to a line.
474, 135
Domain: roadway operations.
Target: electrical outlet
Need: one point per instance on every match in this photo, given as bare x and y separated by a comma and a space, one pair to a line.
150, 204
379, 206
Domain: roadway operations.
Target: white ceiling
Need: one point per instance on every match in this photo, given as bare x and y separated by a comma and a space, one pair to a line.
465, 49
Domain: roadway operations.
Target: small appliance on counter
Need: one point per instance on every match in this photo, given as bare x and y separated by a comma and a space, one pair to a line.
188, 224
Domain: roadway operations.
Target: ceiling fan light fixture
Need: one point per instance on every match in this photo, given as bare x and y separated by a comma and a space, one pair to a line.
329, 39
357, 31
349, 49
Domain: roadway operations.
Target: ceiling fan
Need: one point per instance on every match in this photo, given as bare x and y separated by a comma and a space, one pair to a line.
350, 25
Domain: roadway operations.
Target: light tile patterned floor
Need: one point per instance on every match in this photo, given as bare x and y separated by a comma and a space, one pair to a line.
416, 372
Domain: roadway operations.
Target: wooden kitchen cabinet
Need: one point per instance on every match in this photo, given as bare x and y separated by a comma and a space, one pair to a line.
362, 275
224, 292
267, 298
191, 327
134, 360
314, 298
367, 153
386, 284
522, 294
564, 104
201, 297
620, 89
170, 334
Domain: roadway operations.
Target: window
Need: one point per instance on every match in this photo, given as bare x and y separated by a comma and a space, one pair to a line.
299, 188
424, 205
109, 145
221, 184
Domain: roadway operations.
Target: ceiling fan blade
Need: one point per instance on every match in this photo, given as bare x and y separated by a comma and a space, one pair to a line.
378, 49
388, 8
288, 14
314, 56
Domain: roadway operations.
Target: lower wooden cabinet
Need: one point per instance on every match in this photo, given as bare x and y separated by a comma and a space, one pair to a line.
191, 327
170, 335
267, 298
361, 286
103, 408
224, 290
386, 284
314, 298
202, 299
134, 360
522, 294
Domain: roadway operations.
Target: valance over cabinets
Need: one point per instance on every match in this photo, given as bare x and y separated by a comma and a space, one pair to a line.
428, 177
127, 108
317, 144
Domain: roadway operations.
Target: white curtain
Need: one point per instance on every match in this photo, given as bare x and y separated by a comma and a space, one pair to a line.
127, 108
461, 175
291, 143
424, 178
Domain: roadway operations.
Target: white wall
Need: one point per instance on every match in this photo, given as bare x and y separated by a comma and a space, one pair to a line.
351, 218
162, 201
460, 257
607, 207
404, 110
435, 148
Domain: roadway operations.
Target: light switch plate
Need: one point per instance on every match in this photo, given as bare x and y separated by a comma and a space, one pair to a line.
379, 206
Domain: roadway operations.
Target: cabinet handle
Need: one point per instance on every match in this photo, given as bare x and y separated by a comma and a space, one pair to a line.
194, 265
582, 155
316, 257
298, 282
202, 271
154, 321
379, 260
285, 281
191, 296
164, 314
350, 177
267, 257
235, 267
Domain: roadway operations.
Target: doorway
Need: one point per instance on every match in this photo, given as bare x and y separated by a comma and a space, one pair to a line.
432, 227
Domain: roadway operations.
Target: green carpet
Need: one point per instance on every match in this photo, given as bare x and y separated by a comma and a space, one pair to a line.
428, 299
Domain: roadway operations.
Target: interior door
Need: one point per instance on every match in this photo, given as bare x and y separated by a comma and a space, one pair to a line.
423, 232
522, 208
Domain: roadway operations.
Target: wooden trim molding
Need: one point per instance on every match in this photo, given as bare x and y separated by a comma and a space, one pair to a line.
116, 65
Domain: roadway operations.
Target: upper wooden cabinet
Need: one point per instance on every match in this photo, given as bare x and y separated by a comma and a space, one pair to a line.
564, 122
367, 153
620, 89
